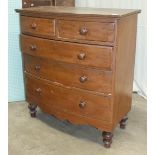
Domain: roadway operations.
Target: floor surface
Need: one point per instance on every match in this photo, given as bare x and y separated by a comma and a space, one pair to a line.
46, 135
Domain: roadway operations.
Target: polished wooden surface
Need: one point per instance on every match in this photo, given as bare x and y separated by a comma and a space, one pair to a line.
38, 26
107, 139
78, 68
87, 55
68, 99
125, 58
97, 31
74, 11
70, 75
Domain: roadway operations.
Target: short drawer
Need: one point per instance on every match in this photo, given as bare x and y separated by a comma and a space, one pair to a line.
38, 26
46, 94
91, 31
88, 55
69, 75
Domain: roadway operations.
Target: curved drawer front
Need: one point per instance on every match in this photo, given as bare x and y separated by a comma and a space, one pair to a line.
67, 99
38, 26
88, 55
69, 75
91, 31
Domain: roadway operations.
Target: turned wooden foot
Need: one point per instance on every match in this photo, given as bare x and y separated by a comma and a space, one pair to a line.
107, 139
32, 109
123, 122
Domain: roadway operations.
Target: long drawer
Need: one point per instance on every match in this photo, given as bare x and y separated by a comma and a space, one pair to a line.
38, 26
69, 75
42, 93
88, 55
91, 31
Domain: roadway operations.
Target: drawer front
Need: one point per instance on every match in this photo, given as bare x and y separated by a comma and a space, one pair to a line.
92, 31
88, 55
38, 26
68, 99
69, 75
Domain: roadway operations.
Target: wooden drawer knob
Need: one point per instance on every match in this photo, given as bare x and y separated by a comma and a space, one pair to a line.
34, 26
31, 5
38, 90
37, 67
81, 56
83, 31
83, 79
33, 47
82, 104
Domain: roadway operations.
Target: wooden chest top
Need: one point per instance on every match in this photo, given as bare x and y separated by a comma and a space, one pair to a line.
69, 11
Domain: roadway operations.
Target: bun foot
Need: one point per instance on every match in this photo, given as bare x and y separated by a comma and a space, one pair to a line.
107, 139
32, 109
123, 123
33, 114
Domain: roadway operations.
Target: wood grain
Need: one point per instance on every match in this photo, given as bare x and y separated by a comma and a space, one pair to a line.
125, 57
77, 119
69, 75
95, 30
95, 56
38, 26
67, 99
79, 65
78, 11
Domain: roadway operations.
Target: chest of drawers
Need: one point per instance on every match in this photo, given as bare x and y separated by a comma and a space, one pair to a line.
79, 64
